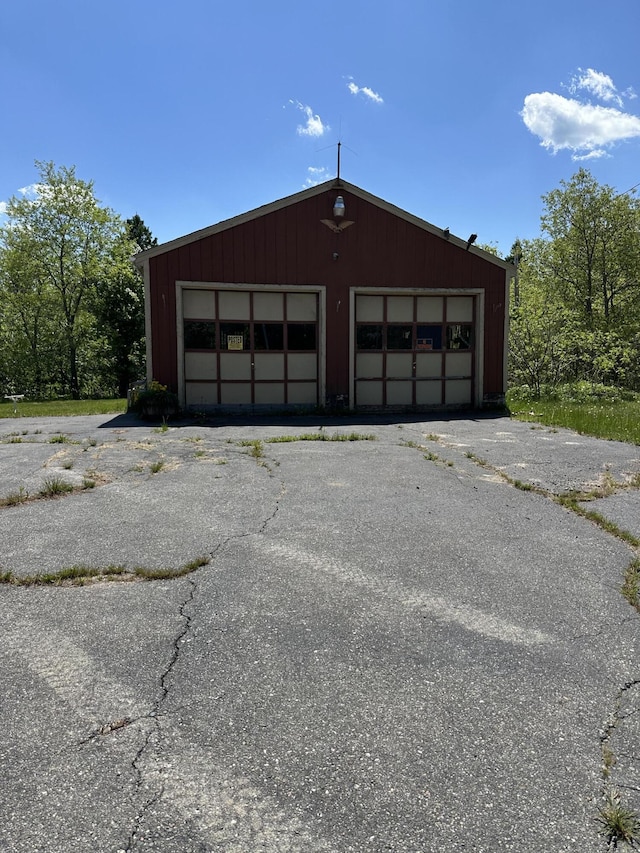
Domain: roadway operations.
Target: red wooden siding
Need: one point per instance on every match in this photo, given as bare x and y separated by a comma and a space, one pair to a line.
290, 246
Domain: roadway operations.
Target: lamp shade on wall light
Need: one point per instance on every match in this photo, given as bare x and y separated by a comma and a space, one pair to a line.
338, 208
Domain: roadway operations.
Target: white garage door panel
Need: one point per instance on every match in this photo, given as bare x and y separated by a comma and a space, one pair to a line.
399, 393
428, 364
268, 306
199, 304
399, 365
200, 365
234, 366
302, 306
269, 394
429, 393
302, 366
460, 309
269, 366
458, 364
369, 394
201, 393
303, 393
457, 392
235, 393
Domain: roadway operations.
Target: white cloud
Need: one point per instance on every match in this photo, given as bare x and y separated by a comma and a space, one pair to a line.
585, 129
316, 175
597, 83
314, 125
364, 90
3, 208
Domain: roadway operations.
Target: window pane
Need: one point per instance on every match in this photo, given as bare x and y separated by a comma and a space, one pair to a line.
301, 336
234, 336
429, 337
369, 337
199, 335
399, 337
459, 336
268, 336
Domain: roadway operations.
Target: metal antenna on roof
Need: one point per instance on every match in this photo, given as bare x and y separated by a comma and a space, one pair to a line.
339, 147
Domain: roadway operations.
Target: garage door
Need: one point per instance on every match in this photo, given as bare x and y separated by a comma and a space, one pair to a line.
414, 351
246, 348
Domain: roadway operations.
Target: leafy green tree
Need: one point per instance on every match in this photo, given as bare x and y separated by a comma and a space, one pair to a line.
537, 323
595, 249
65, 240
119, 307
140, 234
575, 302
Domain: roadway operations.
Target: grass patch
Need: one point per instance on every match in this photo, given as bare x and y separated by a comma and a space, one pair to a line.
53, 486
322, 436
610, 417
617, 822
15, 498
81, 575
59, 439
156, 466
63, 408
631, 585
255, 447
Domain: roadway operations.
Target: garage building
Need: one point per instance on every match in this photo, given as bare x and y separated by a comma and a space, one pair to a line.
329, 297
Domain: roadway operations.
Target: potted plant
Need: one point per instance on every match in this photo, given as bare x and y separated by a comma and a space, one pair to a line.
155, 401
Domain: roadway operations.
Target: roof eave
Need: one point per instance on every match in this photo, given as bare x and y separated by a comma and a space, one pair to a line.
334, 183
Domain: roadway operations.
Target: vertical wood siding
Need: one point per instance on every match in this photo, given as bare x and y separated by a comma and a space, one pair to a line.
291, 247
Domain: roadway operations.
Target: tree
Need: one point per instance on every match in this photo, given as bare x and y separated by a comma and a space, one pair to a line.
595, 249
140, 234
64, 241
119, 307
575, 305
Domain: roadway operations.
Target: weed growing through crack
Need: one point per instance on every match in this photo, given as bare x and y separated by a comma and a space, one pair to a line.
53, 486
322, 436
255, 447
81, 575
164, 427
59, 439
156, 466
430, 456
608, 761
631, 585
88, 483
617, 822
15, 498
15, 439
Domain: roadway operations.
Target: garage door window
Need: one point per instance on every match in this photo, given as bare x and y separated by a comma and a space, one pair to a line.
301, 336
268, 336
199, 334
414, 350
261, 349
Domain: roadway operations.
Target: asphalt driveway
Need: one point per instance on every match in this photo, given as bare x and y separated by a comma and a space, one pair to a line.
390, 645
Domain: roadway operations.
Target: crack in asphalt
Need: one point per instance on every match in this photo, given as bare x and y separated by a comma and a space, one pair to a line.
155, 713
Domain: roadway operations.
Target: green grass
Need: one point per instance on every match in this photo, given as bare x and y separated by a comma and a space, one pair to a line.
53, 486
615, 419
63, 408
322, 436
80, 575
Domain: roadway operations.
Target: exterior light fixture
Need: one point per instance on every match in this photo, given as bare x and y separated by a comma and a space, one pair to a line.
338, 208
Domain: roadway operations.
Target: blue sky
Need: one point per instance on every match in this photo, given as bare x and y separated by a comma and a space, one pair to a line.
189, 113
